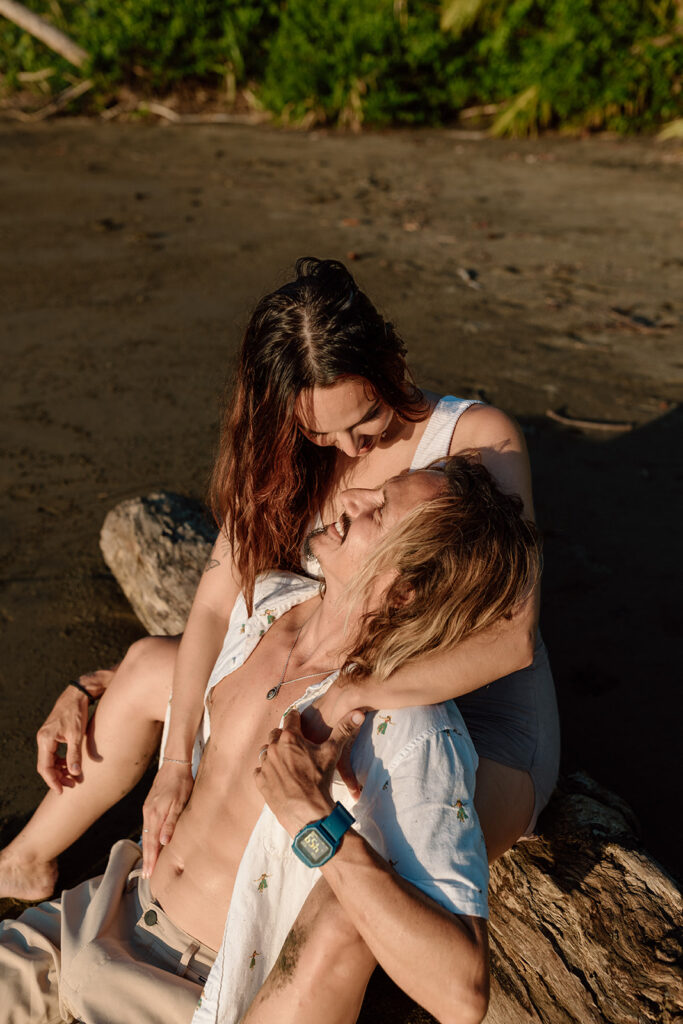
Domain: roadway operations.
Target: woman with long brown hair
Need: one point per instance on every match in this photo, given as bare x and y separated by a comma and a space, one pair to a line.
323, 402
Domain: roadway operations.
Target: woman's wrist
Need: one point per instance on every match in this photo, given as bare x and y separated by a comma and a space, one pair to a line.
177, 762
340, 700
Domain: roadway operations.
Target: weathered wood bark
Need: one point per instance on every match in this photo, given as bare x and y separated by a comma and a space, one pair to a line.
586, 928
43, 30
585, 925
157, 548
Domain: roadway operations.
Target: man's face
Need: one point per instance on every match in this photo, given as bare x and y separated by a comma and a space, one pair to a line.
342, 548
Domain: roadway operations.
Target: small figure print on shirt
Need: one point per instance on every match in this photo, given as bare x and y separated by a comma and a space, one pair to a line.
384, 722
261, 882
461, 814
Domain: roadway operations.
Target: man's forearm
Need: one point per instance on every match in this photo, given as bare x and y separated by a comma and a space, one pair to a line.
438, 958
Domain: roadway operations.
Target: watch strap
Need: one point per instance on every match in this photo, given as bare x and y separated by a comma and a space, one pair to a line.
337, 822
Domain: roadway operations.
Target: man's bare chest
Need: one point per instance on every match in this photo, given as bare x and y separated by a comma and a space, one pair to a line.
240, 712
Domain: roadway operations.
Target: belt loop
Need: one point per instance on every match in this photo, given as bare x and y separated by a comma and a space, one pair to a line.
132, 879
184, 962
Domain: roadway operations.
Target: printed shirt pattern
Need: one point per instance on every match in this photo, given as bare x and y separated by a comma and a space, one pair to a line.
418, 776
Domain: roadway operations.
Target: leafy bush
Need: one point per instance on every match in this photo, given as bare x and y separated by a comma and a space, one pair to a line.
615, 64
596, 63
158, 43
351, 60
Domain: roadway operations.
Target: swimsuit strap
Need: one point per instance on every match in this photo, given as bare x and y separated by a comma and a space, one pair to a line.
436, 441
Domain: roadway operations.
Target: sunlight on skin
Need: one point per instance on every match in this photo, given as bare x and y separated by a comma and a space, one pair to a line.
347, 415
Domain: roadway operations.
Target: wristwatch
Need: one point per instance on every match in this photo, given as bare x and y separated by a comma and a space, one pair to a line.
318, 841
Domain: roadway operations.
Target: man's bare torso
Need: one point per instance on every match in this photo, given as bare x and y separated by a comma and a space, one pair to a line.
195, 874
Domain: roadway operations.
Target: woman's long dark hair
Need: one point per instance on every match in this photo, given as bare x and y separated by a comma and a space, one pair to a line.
268, 482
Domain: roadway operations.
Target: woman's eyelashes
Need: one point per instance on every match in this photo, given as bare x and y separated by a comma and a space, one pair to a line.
367, 423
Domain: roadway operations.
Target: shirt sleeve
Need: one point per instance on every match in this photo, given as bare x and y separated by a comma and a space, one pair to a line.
419, 815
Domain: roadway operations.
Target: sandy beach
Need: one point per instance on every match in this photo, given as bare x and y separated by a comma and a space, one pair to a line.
543, 275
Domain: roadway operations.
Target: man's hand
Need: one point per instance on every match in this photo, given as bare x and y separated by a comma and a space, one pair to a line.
294, 775
66, 724
160, 812
337, 702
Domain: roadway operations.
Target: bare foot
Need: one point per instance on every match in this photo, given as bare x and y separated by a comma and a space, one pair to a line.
24, 878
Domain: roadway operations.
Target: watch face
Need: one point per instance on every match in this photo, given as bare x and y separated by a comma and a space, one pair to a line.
312, 844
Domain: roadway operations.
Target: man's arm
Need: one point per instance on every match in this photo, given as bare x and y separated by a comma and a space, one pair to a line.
439, 958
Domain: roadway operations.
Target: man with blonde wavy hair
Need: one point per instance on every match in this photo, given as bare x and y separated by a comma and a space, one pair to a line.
425, 561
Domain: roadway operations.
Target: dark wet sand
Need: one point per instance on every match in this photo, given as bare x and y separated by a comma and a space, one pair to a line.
131, 256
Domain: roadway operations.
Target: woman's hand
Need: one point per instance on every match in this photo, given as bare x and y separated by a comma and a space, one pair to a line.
166, 799
67, 723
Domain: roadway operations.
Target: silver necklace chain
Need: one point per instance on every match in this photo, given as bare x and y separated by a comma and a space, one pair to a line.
273, 692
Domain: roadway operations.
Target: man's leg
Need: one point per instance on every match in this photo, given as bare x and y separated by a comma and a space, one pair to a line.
30, 961
322, 971
103, 953
122, 737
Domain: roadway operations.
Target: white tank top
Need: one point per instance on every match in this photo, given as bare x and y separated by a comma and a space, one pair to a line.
434, 444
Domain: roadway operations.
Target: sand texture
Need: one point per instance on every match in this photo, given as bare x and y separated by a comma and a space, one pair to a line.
542, 275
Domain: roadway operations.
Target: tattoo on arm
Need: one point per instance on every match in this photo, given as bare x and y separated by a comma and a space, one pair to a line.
211, 564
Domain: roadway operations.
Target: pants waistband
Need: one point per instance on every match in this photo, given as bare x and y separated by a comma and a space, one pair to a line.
195, 958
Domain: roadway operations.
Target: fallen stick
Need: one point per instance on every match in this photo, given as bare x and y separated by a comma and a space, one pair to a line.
35, 76
60, 101
161, 110
569, 421
41, 29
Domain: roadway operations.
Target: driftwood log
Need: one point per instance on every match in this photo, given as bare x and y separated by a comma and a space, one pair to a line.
157, 548
586, 928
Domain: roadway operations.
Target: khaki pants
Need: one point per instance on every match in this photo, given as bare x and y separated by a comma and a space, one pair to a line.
105, 953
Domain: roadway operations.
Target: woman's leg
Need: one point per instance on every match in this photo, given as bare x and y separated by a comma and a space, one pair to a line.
322, 971
121, 739
504, 800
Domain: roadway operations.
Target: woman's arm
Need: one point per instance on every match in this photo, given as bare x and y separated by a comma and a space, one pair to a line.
200, 646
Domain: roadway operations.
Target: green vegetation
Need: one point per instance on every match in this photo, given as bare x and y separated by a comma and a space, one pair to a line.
575, 64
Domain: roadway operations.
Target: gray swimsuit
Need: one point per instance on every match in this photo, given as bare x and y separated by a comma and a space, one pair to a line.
513, 720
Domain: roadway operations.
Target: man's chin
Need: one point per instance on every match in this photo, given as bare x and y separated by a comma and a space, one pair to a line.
311, 544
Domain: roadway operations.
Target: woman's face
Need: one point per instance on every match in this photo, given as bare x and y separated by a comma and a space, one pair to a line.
348, 415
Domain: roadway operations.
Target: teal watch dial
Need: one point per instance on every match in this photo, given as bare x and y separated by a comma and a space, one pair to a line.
311, 842
318, 841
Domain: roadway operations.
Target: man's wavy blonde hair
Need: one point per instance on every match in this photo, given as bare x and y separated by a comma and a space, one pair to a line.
462, 562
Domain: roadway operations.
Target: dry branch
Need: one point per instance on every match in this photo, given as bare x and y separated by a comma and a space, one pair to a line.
58, 103
586, 928
569, 421
43, 30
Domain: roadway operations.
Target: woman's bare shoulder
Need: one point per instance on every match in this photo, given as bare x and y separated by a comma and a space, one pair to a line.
485, 426
500, 440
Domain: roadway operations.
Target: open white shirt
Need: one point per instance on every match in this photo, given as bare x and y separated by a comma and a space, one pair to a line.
417, 767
